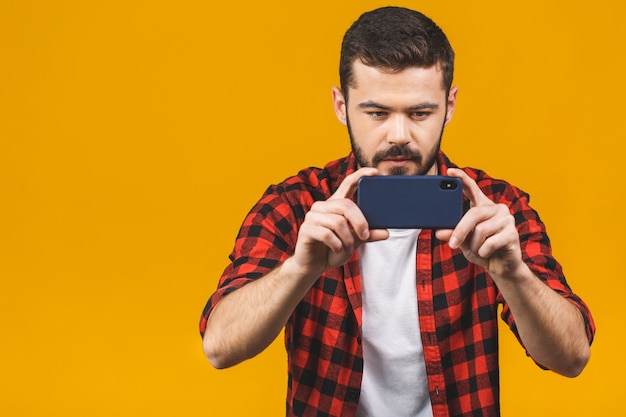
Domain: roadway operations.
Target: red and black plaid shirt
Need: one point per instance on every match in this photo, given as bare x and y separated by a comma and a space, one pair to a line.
457, 301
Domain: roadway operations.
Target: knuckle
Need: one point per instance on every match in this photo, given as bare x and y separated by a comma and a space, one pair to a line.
503, 208
326, 234
480, 229
336, 222
316, 206
310, 217
345, 203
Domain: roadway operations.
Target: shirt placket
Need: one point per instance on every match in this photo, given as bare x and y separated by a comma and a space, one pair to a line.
432, 354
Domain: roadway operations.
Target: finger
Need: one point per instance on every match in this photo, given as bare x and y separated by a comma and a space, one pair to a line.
483, 231
348, 186
349, 211
469, 222
470, 189
491, 245
497, 234
328, 237
333, 230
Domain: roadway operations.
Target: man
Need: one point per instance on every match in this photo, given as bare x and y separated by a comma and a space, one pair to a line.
393, 322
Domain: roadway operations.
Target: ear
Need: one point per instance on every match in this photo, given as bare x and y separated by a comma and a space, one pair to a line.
339, 104
451, 103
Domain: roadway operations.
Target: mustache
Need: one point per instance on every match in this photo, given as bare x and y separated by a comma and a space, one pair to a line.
396, 151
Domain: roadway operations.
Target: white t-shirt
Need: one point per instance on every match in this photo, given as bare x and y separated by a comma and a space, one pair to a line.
394, 373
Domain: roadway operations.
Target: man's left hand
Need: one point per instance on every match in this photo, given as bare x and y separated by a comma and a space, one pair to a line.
486, 234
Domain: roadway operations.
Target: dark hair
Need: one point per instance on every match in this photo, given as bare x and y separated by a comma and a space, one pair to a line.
395, 38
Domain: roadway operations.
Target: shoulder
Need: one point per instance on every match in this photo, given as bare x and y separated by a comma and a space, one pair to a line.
498, 190
313, 183
287, 202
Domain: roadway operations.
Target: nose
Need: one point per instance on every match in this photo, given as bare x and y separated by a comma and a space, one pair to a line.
399, 133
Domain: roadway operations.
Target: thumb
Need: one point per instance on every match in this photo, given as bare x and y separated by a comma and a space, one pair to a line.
378, 234
348, 186
444, 234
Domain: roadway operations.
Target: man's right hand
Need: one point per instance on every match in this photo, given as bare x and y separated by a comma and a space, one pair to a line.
246, 321
333, 229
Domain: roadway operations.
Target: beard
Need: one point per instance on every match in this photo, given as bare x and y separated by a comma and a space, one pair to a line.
424, 162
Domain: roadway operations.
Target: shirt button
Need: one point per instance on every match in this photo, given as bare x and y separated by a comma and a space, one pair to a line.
358, 340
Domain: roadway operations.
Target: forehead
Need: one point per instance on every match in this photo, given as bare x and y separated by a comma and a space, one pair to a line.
377, 82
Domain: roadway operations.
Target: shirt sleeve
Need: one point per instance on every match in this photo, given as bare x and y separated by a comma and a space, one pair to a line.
266, 238
537, 254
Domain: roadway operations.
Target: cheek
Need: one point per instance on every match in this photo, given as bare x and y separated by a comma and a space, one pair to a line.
369, 140
431, 132
365, 132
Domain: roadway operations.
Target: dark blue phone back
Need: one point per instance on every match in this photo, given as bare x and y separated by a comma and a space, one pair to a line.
411, 202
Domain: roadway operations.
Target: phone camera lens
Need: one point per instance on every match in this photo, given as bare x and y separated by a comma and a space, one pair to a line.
448, 185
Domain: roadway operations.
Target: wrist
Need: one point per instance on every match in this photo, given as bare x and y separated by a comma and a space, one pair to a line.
295, 272
518, 274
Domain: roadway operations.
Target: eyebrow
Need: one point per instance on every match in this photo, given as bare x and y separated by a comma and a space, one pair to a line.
373, 105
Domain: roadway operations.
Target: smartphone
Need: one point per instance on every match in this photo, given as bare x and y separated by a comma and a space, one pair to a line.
411, 202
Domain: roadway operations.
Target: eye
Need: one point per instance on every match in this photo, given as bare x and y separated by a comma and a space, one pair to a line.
377, 114
420, 115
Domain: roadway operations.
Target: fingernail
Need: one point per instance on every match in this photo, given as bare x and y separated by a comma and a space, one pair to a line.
454, 242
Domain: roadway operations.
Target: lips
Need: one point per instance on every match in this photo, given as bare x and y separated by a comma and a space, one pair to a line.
398, 158
397, 161
397, 155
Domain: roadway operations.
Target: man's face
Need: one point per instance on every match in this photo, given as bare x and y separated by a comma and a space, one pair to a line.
396, 119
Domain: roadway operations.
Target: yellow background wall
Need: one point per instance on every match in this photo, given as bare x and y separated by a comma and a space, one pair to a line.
135, 135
